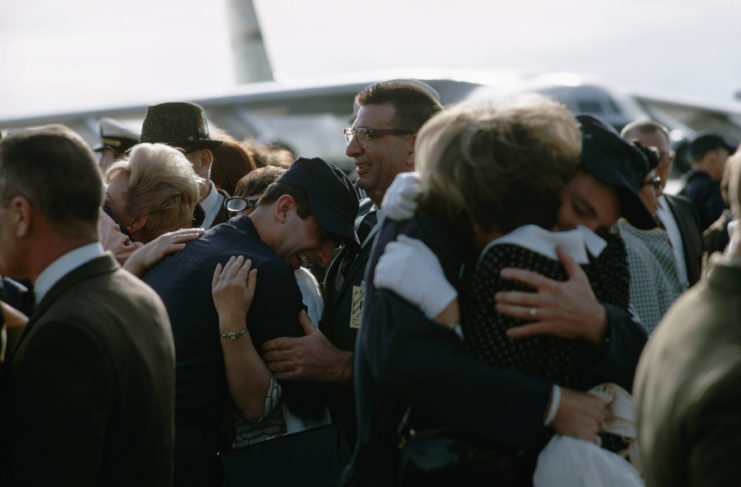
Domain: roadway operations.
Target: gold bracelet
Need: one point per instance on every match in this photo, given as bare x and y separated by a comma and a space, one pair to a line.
233, 335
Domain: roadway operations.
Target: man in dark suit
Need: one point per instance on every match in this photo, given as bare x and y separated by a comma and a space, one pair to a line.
184, 125
676, 213
708, 152
91, 380
388, 116
687, 383
299, 218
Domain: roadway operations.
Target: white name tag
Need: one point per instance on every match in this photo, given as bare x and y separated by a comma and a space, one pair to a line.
356, 308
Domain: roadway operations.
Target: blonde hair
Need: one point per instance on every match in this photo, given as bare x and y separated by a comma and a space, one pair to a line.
162, 186
498, 165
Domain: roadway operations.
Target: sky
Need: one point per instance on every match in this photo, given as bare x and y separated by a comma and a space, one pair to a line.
83, 54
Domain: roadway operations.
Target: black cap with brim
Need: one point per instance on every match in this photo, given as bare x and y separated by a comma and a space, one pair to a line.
332, 198
618, 164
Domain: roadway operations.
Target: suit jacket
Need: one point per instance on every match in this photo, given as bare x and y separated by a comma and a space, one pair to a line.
92, 384
223, 214
687, 387
689, 227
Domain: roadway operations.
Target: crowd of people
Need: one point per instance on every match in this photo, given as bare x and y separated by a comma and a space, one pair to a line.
500, 294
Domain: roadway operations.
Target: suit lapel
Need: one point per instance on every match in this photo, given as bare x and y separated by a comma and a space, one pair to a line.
100, 265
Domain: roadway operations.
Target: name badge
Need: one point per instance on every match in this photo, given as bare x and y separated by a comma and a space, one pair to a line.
356, 308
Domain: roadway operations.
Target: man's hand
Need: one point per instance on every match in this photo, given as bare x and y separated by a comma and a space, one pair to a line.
579, 415
308, 358
567, 309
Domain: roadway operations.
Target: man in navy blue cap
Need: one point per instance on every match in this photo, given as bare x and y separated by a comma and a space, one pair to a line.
300, 218
708, 153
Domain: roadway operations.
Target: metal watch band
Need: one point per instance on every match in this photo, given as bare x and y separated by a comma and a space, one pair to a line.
233, 335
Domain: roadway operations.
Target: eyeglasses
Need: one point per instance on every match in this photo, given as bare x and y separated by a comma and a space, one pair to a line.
364, 134
237, 203
654, 181
664, 158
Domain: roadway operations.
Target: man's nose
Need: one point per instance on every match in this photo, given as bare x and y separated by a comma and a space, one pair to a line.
354, 148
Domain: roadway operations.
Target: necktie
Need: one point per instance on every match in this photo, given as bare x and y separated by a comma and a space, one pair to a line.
198, 216
363, 229
366, 225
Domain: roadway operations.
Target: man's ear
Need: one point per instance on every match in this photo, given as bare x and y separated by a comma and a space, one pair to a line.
22, 215
207, 158
411, 140
283, 206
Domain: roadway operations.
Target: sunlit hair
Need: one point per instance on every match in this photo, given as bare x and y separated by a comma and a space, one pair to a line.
55, 169
257, 181
644, 127
498, 165
414, 102
162, 186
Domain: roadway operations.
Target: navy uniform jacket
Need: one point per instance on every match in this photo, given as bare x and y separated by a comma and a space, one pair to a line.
92, 385
183, 281
403, 359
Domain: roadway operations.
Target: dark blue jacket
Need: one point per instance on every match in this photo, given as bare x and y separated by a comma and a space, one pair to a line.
403, 359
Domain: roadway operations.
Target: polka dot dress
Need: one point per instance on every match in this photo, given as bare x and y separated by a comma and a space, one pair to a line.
556, 359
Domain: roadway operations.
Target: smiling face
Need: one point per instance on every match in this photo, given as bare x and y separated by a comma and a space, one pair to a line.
589, 202
379, 159
303, 242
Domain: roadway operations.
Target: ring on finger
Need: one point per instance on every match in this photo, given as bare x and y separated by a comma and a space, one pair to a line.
533, 312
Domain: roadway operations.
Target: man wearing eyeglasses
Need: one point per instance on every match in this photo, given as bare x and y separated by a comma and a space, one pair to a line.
381, 141
676, 213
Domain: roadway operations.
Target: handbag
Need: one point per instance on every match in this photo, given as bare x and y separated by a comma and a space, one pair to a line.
313, 457
436, 457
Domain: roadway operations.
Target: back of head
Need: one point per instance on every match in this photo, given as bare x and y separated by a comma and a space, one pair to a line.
55, 169
231, 162
257, 181
414, 102
706, 142
631, 131
162, 186
498, 165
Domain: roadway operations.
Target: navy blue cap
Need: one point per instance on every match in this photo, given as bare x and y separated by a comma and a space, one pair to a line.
332, 198
618, 164
706, 142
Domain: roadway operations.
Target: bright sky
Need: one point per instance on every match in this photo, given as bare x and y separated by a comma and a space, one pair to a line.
86, 53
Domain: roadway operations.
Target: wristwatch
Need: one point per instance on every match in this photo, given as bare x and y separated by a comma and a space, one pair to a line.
233, 335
